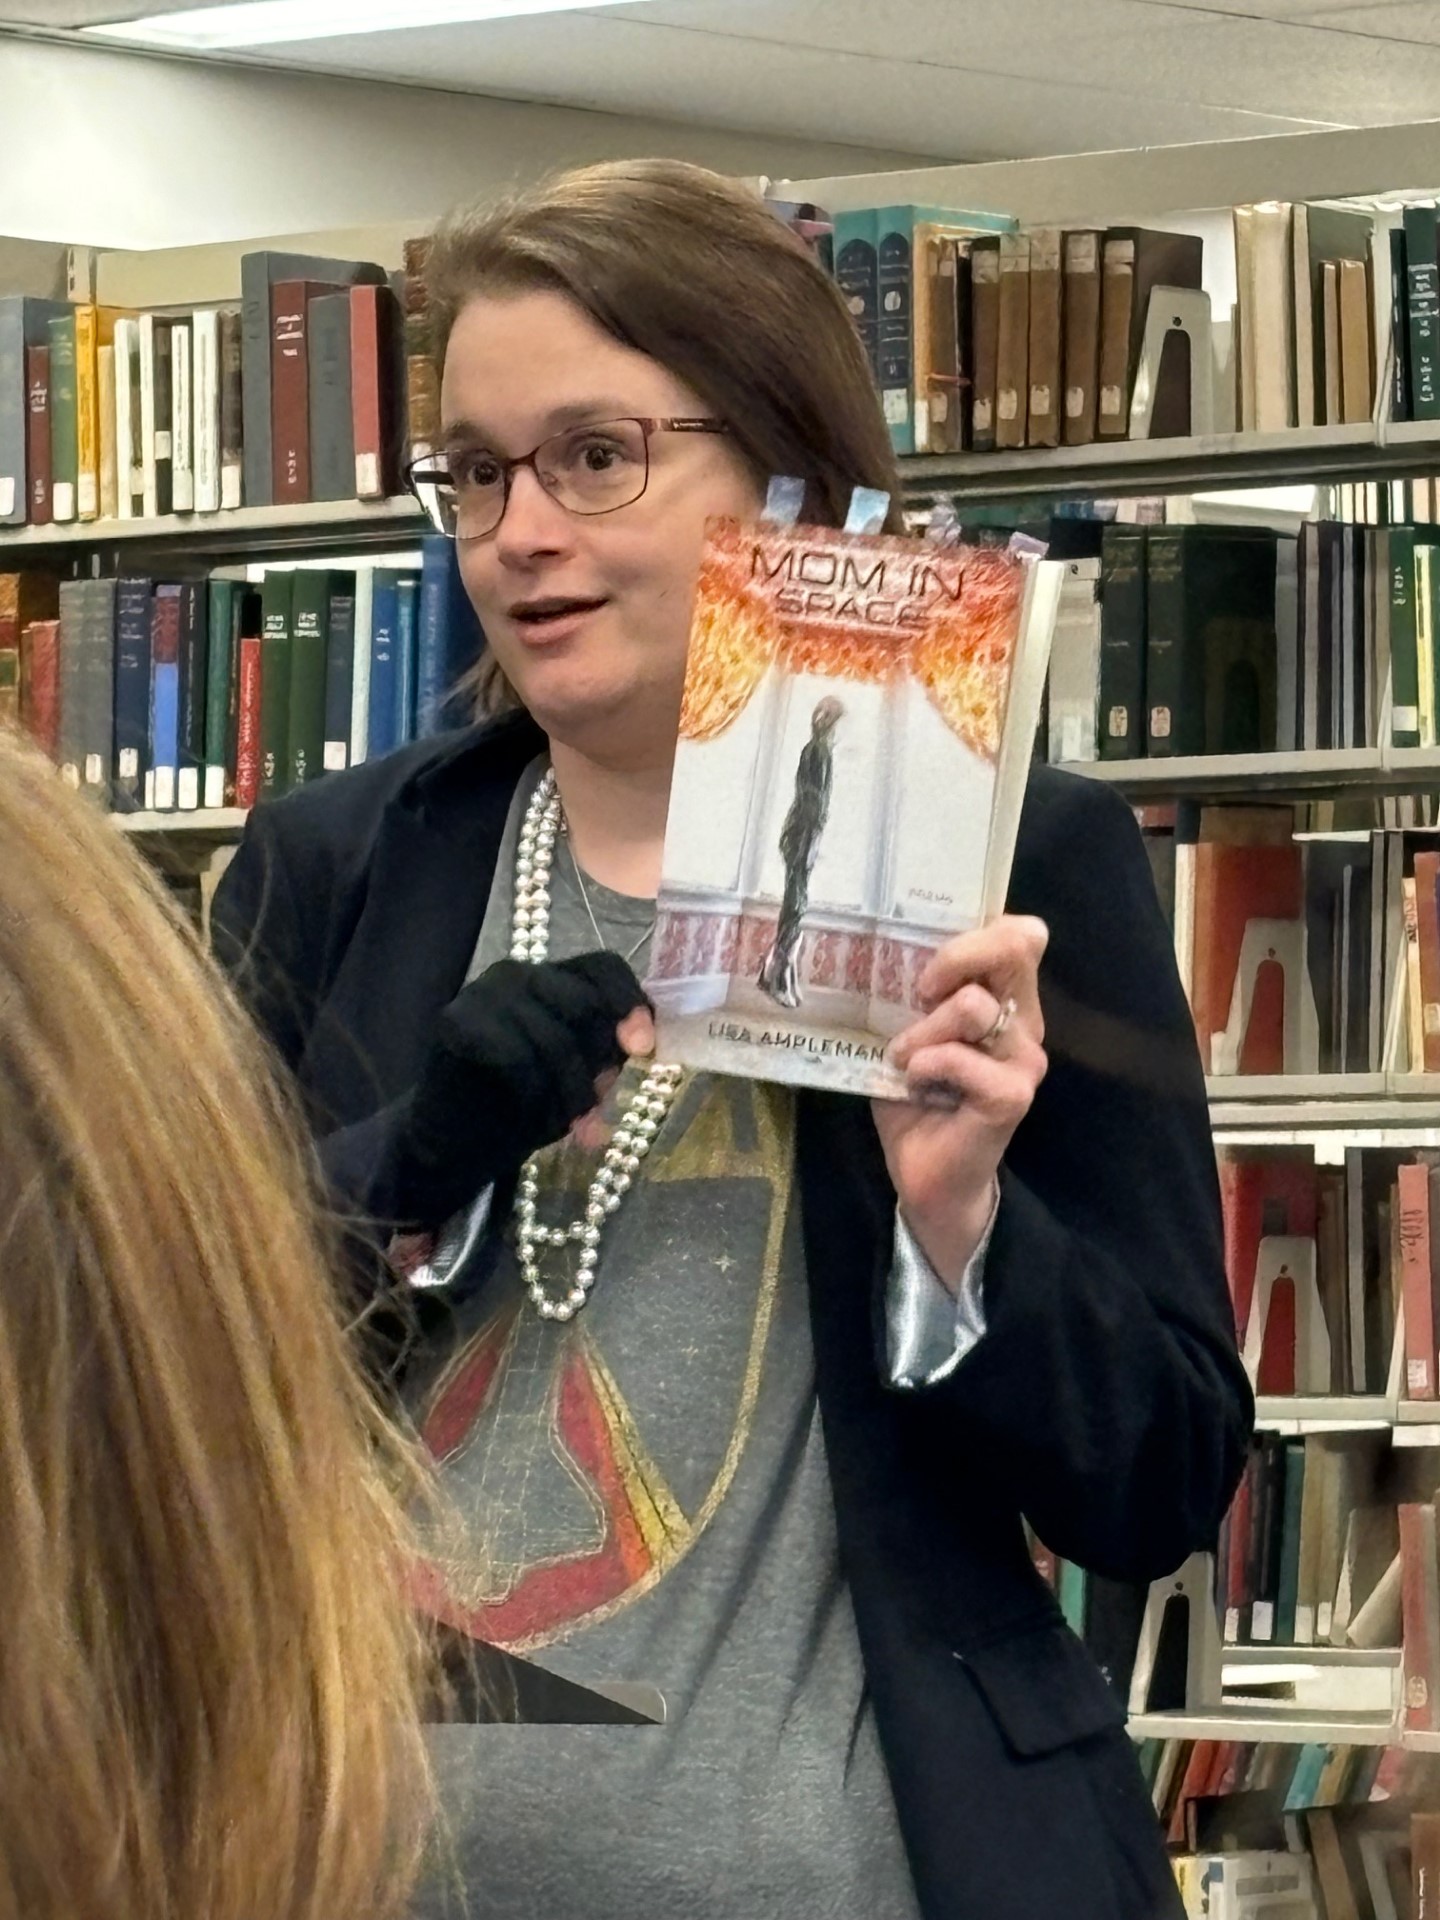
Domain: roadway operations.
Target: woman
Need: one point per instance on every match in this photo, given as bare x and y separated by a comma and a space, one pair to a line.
749, 1403
203, 1711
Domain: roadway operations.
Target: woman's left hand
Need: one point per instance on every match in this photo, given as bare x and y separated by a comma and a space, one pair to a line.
972, 1076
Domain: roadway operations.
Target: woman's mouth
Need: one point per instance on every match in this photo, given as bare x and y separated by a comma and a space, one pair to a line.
553, 617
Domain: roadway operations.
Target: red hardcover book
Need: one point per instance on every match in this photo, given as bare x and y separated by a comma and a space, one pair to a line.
37, 435
1235, 884
1414, 1183
247, 751
290, 386
374, 390
1427, 915
40, 684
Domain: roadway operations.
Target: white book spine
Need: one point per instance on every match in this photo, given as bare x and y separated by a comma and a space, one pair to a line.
109, 467
214, 787
126, 453
187, 789
182, 471
206, 403
360, 683
150, 488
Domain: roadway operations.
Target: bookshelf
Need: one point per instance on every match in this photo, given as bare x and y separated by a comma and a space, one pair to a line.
312, 527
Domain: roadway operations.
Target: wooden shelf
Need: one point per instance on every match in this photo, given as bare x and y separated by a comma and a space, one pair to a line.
312, 526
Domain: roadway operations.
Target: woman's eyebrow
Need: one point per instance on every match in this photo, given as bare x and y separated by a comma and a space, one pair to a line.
575, 413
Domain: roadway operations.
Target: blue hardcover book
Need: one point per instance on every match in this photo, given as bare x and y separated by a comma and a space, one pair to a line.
448, 642
132, 693
384, 616
165, 694
407, 633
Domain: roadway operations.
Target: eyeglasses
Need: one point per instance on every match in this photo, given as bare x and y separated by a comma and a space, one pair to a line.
591, 469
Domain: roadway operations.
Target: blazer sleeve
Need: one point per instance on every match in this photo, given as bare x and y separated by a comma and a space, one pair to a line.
1108, 1386
281, 911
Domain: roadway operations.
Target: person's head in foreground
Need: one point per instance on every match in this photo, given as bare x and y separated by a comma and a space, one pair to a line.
208, 1673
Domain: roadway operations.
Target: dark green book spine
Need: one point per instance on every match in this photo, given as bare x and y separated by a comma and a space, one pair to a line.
1290, 1545
64, 419
309, 626
1422, 276
275, 649
218, 667
1170, 719
1404, 661
1122, 643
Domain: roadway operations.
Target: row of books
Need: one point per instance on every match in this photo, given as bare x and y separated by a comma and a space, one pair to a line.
1333, 1865
1309, 1553
1313, 952
226, 689
1212, 639
315, 387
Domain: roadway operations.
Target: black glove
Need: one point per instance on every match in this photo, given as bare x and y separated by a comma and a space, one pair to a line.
512, 1066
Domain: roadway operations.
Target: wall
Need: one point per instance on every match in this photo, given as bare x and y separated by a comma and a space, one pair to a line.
125, 150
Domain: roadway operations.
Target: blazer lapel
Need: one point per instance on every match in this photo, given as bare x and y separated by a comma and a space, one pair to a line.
429, 881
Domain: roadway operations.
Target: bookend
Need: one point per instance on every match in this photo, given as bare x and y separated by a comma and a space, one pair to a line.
1290, 1259
1177, 1663
1177, 329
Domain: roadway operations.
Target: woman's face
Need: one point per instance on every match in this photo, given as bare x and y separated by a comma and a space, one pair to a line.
588, 615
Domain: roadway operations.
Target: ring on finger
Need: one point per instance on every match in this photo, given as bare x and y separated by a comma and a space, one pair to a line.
996, 1029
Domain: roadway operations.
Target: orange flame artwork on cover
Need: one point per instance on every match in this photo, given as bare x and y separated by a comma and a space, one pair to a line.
815, 601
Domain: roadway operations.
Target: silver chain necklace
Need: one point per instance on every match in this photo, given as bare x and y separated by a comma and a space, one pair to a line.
640, 1120
590, 911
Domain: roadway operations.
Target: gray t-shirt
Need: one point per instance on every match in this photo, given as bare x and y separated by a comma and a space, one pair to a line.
643, 1495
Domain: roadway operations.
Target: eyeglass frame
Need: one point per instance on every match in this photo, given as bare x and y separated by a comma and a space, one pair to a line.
647, 425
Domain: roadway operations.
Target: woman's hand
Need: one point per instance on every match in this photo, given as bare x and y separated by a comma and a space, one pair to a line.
972, 1075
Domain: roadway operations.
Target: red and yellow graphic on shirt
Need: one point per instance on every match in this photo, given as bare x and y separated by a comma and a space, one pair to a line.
563, 1515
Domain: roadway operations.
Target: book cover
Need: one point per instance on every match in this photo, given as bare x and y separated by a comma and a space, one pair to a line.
72, 697
39, 652
1081, 310
290, 478
205, 409
376, 392
1415, 1284
247, 757
1117, 302
129, 435
223, 605
1043, 423
1422, 277
381, 706
94, 333
232, 413
360, 680
309, 629
985, 339
193, 659
1404, 663
109, 470
1012, 378
1357, 351
858, 720
1318, 234
1399, 328
857, 277
1210, 656
182, 424
97, 690
1122, 642
407, 643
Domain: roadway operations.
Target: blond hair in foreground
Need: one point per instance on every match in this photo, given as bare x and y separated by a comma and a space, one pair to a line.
208, 1674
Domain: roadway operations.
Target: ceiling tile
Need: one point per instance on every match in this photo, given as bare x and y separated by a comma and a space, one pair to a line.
1413, 21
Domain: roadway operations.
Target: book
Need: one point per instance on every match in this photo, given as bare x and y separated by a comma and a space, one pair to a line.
94, 334
10, 687
1357, 353
1420, 1613
1404, 664
1266, 286
108, 469
939, 410
276, 612
1117, 301
129, 435
309, 632
71, 752
1399, 331
407, 641
1422, 276
1319, 234
382, 680
1123, 628
221, 662
133, 765
38, 447
985, 325
182, 429
846, 696
360, 675
232, 447
39, 652
1332, 361
857, 276
164, 696
1081, 309
1414, 1218
376, 391
1012, 377
1042, 427
448, 639
205, 408
339, 672
193, 658
96, 677
1210, 655
248, 755
331, 400
290, 478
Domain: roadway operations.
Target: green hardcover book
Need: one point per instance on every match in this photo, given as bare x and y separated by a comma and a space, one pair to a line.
1290, 1545
1210, 651
64, 418
1422, 274
275, 649
310, 622
857, 276
1122, 643
1404, 664
224, 595
1070, 1592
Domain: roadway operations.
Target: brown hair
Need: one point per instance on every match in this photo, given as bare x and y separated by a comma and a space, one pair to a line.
695, 271
208, 1673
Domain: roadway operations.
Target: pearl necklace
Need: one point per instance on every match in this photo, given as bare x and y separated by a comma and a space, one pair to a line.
640, 1121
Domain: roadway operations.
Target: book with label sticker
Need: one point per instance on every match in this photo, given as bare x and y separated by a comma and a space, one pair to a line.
857, 728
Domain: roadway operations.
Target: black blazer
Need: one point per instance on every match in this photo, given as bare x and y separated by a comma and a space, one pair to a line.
1106, 1402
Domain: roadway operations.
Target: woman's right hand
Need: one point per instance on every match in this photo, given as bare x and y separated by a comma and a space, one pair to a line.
521, 1054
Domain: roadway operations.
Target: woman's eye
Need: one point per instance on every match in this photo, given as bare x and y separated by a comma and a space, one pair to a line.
600, 455
475, 470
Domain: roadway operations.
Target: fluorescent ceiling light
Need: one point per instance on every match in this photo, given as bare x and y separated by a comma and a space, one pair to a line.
261, 23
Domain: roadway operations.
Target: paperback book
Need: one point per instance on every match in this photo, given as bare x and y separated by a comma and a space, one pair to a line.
858, 723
